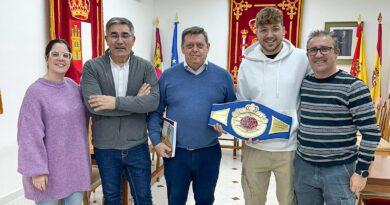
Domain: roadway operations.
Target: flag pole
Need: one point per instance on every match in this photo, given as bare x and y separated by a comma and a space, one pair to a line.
359, 19
174, 53
358, 67
157, 21
158, 57
1, 104
377, 72
176, 18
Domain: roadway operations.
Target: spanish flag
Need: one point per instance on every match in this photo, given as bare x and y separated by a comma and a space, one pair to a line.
158, 58
358, 67
377, 73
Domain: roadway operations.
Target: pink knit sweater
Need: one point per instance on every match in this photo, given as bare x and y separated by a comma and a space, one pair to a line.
52, 138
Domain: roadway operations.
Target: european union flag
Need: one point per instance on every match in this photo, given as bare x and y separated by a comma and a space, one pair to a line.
175, 56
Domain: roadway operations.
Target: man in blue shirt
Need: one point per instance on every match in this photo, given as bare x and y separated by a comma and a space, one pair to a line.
188, 91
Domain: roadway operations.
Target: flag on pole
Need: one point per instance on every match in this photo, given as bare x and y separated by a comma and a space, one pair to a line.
81, 24
377, 73
175, 56
158, 58
358, 67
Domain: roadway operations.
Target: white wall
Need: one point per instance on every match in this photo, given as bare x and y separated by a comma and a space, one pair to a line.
317, 12
213, 16
140, 13
24, 37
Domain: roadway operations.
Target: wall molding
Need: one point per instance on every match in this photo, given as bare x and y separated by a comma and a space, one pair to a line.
10, 197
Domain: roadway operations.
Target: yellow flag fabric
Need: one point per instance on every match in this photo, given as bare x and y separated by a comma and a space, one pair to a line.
358, 67
362, 59
377, 72
158, 58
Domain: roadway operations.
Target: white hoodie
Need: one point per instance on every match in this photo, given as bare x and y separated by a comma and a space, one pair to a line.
274, 83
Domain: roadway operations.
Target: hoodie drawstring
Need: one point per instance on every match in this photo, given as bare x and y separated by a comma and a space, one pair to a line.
262, 77
277, 78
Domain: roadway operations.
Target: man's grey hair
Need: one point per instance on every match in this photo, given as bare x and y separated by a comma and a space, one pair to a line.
195, 30
318, 33
120, 21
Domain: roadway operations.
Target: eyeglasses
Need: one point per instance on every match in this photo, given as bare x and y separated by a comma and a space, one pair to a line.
57, 54
325, 50
115, 36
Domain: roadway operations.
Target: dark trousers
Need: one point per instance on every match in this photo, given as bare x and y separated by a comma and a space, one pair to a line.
135, 164
200, 166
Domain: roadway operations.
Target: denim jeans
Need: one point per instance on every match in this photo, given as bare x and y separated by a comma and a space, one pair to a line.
315, 185
200, 166
76, 198
135, 164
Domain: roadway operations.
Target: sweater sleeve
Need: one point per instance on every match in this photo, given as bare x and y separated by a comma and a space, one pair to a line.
87, 114
363, 115
32, 155
142, 104
230, 94
155, 118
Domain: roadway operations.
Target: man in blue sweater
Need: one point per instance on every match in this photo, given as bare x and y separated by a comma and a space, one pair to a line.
188, 91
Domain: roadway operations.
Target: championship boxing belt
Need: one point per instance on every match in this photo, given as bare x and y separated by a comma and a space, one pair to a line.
247, 119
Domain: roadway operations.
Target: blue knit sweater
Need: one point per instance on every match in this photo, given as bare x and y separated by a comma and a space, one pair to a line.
187, 99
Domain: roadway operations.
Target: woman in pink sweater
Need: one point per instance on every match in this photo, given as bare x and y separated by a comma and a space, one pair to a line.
52, 134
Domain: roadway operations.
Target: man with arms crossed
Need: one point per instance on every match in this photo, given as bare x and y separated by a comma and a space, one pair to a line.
119, 88
334, 105
187, 92
271, 74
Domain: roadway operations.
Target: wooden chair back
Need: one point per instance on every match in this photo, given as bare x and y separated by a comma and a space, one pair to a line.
377, 108
384, 120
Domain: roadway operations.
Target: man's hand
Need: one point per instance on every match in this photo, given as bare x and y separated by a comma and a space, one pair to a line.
357, 183
253, 142
217, 127
40, 182
144, 90
163, 150
102, 102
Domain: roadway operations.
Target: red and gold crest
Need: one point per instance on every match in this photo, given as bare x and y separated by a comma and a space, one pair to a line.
242, 28
80, 23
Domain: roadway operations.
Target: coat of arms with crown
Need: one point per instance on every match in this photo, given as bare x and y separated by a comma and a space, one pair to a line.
79, 9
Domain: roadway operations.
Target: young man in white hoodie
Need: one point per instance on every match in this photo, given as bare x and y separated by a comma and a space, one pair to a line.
271, 74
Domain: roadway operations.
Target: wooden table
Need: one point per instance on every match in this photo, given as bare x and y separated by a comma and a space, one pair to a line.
382, 149
379, 179
378, 182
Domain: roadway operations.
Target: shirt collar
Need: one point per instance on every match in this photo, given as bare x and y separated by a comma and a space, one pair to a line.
199, 71
125, 66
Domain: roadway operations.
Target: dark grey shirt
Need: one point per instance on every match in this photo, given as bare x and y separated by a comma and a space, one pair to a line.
124, 127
